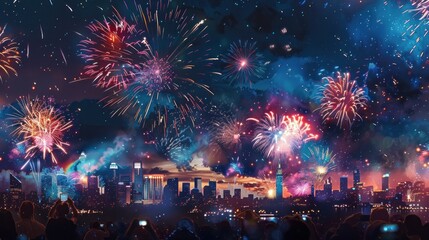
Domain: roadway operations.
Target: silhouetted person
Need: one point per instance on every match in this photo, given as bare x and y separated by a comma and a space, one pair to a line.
96, 232
185, 230
296, 230
59, 226
379, 213
413, 227
28, 226
425, 232
7, 226
141, 231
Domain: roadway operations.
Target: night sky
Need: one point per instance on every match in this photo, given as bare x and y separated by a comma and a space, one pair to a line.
381, 44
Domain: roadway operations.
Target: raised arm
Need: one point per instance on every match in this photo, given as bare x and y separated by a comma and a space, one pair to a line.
51, 213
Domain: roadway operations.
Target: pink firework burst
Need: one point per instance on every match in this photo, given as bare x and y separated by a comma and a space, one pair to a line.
278, 136
110, 53
341, 100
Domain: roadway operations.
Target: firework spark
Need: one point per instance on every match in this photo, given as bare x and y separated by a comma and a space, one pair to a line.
235, 167
419, 8
111, 53
243, 63
175, 148
9, 56
173, 65
341, 99
229, 133
41, 128
277, 136
322, 161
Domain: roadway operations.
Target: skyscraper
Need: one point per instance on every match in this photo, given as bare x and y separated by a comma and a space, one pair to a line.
137, 179
153, 186
279, 182
212, 185
327, 188
198, 184
171, 190
93, 184
46, 187
186, 189
385, 182
237, 193
343, 184
356, 177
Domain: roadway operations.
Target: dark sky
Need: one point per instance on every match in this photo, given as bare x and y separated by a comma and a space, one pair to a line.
300, 41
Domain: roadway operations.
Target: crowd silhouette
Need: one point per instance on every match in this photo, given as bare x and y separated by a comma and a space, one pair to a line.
63, 220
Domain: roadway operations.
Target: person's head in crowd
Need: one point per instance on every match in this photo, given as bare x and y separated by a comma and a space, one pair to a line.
296, 229
186, 223
379, 213
62, 210
425, 232
7, 225
413, 225
26, 210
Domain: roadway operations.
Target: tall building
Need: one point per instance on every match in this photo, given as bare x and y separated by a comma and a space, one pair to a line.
343, 184
226, 194
237, 193
385, 182
171, 190
137, 179
312, 190
153, 186
186, 189
327, 188
212, 185
46, 182
113, 167
93, 184
279, 182
356, 177
198, 184
123, 194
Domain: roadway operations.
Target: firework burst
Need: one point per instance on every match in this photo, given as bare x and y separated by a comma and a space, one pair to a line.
341, 99
111, 53
9, 56
176, 58
277, 136
418, 30
175, 148
235, 167
41, 128
322, 161
243, 63
228, 133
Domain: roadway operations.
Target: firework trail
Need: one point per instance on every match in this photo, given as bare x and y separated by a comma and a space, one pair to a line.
322, 161
278, 136
243, 63
235, 167
41, 128
341, 99
112, 53
176, 59
9, 56
419, 9
228, 133
175, 148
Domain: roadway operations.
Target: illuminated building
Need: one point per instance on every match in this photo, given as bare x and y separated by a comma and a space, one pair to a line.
152, 188
279, 183
137, 179
356, 177
46, 187
198, 184
385, 182
186, 190
343, 184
